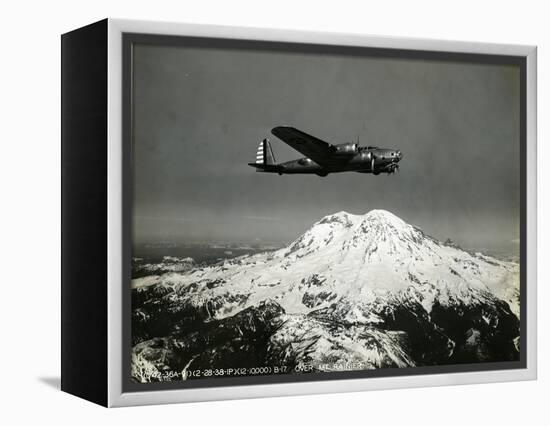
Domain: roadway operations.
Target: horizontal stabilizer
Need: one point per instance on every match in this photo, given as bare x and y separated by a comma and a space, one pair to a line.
266, 167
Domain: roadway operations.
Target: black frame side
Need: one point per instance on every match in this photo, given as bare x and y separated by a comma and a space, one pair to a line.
84, 212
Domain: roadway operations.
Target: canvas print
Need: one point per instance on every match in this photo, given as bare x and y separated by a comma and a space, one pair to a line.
306, 214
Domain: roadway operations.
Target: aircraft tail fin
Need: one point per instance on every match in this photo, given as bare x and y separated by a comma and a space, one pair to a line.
265, 159
264, 155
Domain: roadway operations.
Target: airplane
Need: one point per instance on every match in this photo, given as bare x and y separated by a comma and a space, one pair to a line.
322, 158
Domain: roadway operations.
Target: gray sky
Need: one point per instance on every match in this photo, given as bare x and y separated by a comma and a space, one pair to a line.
199, 115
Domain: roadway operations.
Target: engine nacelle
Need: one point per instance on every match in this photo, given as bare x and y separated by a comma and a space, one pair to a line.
346, 149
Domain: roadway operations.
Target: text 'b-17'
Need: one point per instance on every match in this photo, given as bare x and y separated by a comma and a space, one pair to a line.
322, 158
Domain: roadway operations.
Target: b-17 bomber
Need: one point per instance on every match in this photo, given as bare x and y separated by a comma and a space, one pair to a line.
322, 158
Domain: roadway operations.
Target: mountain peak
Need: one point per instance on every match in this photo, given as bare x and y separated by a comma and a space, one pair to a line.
386, 219
341, 217
375, 222
340, 214
375, 214
383, 215
376, 231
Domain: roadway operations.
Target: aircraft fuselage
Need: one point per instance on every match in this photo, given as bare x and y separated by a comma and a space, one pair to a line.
322, 158
362, 162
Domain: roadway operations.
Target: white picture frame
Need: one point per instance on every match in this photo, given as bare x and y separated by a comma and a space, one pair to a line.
115, 394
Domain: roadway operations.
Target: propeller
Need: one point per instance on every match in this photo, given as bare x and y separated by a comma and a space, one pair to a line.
394, 168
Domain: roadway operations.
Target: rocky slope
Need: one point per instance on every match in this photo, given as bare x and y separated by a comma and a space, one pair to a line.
353, 292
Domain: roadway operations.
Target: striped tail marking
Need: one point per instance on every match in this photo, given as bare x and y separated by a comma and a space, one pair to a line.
260, 154
264, 155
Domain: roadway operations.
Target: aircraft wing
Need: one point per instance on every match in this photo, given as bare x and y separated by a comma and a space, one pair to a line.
313, 148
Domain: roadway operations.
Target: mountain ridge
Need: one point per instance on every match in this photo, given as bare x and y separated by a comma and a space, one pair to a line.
374, 252
377, 288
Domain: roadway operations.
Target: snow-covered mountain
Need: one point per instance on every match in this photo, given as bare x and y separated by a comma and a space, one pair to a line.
353, 292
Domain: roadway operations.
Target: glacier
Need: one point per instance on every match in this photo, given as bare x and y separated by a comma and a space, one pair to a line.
353, 292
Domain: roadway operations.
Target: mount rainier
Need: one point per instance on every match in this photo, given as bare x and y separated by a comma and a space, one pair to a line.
370, 291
